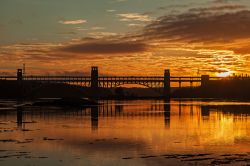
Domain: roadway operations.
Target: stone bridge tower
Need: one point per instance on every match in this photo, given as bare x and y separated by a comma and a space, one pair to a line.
19, 74
166, 88
94, 77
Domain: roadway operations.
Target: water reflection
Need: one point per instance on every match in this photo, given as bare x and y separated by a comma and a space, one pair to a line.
123, 109
133, 130
94, 118
167, 113
19, 117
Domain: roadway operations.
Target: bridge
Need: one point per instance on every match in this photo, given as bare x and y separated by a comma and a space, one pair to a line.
96, 81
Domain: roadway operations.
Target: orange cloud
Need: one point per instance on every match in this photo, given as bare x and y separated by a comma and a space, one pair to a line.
105, 47
213, 39
73, 22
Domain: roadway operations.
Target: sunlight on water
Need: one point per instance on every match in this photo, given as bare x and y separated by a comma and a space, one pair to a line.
139, 132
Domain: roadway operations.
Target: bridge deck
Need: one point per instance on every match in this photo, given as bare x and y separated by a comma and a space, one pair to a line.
109, 78
114, 81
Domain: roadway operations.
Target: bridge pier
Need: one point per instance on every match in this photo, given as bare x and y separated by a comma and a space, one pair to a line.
166, 88
204, 80
94, 77
19, 84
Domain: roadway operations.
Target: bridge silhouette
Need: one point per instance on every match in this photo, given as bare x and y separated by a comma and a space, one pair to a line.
96, 81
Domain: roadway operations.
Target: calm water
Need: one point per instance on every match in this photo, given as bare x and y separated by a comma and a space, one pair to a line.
139, 132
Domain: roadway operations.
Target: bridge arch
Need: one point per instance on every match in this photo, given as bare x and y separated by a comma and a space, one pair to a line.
137, 84
116, 84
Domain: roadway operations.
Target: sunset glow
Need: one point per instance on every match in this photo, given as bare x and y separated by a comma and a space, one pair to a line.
225, 74
124, 82
124, 37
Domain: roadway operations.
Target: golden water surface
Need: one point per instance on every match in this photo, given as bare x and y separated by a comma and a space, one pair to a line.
134, 132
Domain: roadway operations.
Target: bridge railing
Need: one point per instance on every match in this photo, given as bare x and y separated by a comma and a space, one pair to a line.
56, 78
8, 78
118, 78
129, 78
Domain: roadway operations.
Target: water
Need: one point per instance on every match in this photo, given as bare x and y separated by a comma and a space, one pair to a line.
137, 132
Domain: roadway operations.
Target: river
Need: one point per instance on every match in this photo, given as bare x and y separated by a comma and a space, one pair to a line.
127, 132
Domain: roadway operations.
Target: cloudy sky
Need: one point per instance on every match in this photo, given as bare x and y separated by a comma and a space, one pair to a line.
125, 37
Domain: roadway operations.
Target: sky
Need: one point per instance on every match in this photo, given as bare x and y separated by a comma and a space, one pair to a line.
125, 37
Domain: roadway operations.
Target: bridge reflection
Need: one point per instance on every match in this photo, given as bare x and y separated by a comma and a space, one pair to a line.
116, 109
19, 117
106, 110
167, 109
94, 118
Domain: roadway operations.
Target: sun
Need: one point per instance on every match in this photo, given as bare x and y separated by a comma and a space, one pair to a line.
224, 74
